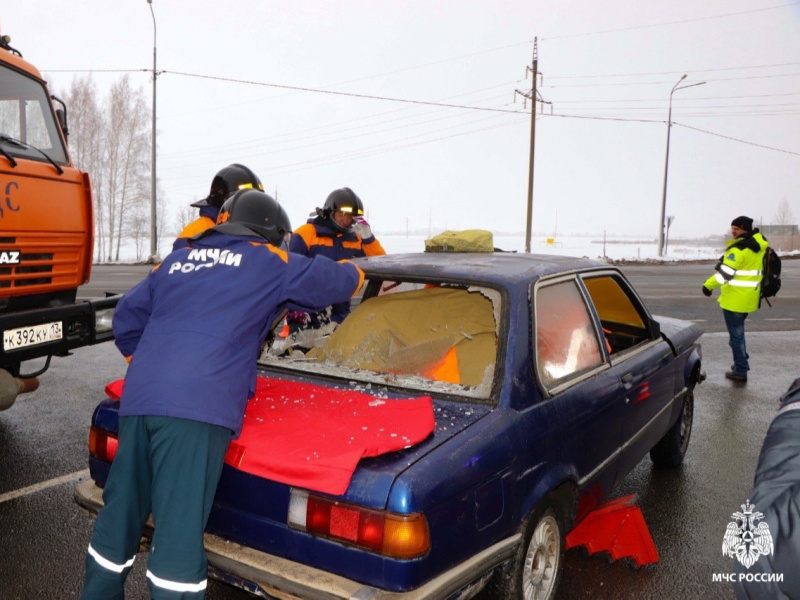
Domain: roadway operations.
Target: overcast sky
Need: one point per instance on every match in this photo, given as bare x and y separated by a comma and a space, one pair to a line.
412, 104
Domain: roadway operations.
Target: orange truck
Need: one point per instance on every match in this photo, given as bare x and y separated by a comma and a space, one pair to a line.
46, 234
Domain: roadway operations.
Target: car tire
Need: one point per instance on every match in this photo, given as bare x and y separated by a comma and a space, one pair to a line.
671, 449
534, 571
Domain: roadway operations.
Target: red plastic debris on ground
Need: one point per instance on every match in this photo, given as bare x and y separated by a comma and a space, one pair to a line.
616, 527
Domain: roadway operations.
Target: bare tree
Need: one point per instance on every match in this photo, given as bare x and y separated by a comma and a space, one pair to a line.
138, 230
111, 140
162, 217
186, 214
86, 140
784, 214
127, 154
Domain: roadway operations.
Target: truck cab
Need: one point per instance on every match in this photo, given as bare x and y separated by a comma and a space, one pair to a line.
46, 233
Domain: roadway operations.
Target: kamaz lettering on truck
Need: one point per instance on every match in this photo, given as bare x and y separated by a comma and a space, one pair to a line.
46, 233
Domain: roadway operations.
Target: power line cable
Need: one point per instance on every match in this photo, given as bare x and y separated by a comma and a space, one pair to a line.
314, 131
335, 93
668, 23
375, 148
683, 107
688, 72
631, 83
727, 137
678, 124
97, 71
602, 101
320, 142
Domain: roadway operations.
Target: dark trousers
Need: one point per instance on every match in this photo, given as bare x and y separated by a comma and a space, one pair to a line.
170, 468
734, 321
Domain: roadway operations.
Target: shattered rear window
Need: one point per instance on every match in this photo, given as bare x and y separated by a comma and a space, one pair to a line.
423, 336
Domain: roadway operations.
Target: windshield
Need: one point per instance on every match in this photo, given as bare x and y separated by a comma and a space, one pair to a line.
26, 115
434, 337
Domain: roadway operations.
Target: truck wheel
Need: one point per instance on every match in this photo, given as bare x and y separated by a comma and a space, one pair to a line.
671, 449
534, 571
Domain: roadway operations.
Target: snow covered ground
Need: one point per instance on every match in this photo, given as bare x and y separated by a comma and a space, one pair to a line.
613, 249
588, 246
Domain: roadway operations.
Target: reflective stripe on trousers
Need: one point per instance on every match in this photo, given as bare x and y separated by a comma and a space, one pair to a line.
119, 570
107, 564
177, 586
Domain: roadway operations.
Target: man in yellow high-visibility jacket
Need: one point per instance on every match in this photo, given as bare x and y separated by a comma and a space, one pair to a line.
738, 273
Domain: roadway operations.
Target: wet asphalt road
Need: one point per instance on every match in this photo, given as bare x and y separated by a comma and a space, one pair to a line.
43, 535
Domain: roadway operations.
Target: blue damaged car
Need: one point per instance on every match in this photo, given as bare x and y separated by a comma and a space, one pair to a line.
549, 382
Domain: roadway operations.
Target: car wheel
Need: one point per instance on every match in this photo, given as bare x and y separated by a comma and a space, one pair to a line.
671, 449
534, 571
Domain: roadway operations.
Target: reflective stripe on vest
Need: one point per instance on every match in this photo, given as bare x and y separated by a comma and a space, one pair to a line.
727, 273
177, 586
742, 283
107, 564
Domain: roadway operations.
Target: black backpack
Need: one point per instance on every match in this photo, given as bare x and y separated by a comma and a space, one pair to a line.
770, 274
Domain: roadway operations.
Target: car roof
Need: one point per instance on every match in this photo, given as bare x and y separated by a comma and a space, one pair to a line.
503, 268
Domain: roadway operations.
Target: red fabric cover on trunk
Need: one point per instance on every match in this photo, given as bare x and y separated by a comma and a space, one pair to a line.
114, 389
312, 436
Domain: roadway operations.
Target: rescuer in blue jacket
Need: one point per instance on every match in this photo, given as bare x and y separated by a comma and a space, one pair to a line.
775, 502
192, 330
225, 183
339, 232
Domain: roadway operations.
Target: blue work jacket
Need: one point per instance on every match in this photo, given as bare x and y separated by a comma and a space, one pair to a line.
318, 237
194, 326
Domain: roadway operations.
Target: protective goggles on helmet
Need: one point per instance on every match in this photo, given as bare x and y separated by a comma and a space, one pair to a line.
353, 211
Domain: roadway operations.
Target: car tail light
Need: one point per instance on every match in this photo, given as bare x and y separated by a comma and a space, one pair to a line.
389, 534
102, 444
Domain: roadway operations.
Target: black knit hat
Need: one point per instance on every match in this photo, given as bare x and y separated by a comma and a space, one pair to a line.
743, 222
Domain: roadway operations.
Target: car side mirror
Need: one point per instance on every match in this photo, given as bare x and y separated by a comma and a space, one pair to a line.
655, 328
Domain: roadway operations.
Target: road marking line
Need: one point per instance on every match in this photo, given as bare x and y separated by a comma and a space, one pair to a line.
697, 320
784, 319
37, 487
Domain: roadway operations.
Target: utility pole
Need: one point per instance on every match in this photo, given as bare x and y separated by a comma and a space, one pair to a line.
676, 87
534, 96
153, 181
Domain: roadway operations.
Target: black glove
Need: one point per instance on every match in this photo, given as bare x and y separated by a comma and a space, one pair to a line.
706, 291
792, 395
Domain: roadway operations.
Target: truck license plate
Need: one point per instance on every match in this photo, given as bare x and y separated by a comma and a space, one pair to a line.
22, 337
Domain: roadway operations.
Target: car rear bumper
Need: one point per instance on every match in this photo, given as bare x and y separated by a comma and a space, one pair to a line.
281, 578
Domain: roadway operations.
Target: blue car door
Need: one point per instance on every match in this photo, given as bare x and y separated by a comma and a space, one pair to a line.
640, 358
583, 392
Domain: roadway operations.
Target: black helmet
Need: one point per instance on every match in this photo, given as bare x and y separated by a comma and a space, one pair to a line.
252, 212
226, 182
345, 200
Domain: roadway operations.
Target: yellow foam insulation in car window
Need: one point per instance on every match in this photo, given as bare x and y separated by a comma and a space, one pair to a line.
413, 332
611, 302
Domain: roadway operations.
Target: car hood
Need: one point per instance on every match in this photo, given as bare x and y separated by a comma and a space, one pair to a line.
681, 334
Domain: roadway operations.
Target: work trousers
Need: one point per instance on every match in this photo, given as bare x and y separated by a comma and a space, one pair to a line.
168, 467
734, 321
